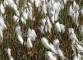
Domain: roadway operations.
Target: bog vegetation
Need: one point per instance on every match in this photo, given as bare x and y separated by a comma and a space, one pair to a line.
41, 29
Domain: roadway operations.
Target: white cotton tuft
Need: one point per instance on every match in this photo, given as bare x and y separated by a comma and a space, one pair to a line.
20, 39
49, 25
19, 34
30, 7
79, 48
15, 18
81, 30
73, 46
32, 1
45, 42
30, 15
11, 58
56, 17
37, 3
18, 31
52, 13
17, 2
42, 29
29, 43
25, 15
2, 24
2, 10
53, 49
1, 35
46, 25
58, 50
75, 58
71, 11
75, 6
57, 27
50, 56
17, 13
5, 3
72, 35
52, 18
75, 18
71, 31
9, 52
56, 44
62, 28
23, 20
11, 4
82, 10
43, 21
46, 28
15, 7
65, 1
60, 53
44, 8
79, 56
74, 13
31, 34
56, 7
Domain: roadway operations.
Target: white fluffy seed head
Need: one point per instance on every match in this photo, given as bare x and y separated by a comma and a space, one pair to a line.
57, 27
18, 30
9, 52
1, 35
75, 58
53, 49
20, 39
17, 2
32, 1
15, 18
25, 15
29, 43
45, 42
71, 31
79, 48
62, 28
37, 3
81, 30
11, 58
82, 10
11, 4
17, 13
75, 6
31, 34
19, 34
42, 29
71, 11
72, 35
23, 20
56, 44
43, 21
2, 10
50, 56
60, 53
44, 8
2, 24
49, 25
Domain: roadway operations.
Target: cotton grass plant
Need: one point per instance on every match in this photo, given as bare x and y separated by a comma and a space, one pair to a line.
41, 29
